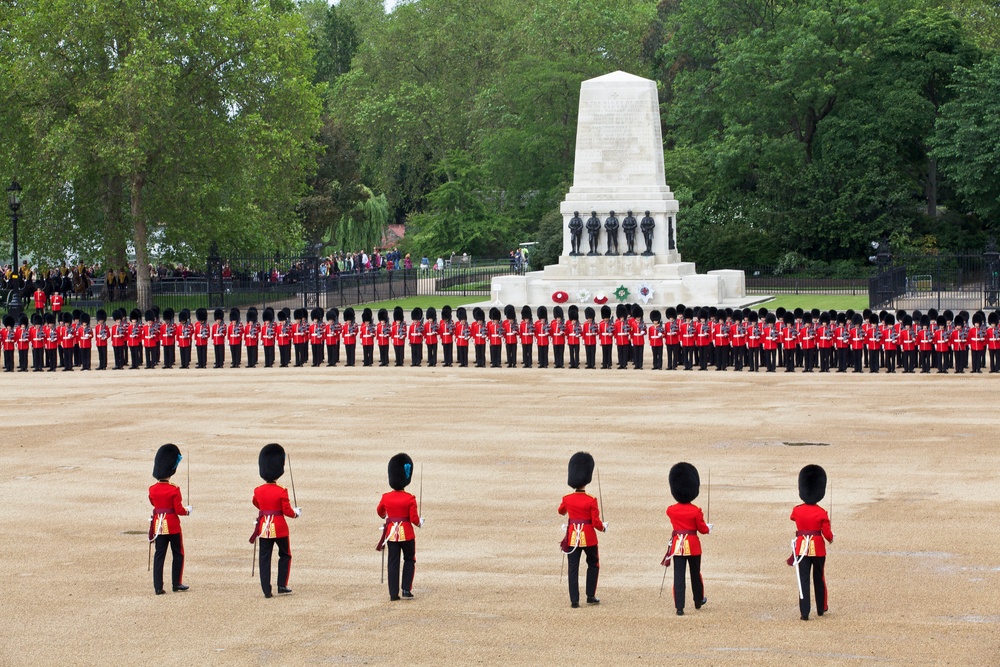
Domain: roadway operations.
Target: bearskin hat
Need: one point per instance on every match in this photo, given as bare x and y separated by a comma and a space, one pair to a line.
348, 314
890, 319
76, 313
416, 314
978, 317
917, 315
925, 321
366, 315
605, 312
807, 318
812, 484
269, 314
581, 470
495, 314
383, 315
400, 471
932, 313
907, 320
779, 312
654, 316
637, 311
589, 313
573, 313
84, 318
50, 318
858, 320
948, 315
542, 313
461, 314
234, 314
770, 318
959, 321
621, 310
332, 315
942, 321
168, 457
431, 313
557, 313
283, 315
168, 314
36, 319
397, 314
252, 314
688, 313
478, 314
789, 317
271, 462
684, 482
526, 313
148, 315
446, 312
509, 312
670, 313
316, 315
993, 318
8, 320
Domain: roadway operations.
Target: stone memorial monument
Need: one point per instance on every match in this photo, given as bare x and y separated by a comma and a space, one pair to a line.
619, 167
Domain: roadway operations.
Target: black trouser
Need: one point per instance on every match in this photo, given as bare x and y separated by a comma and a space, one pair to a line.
220, 354
150, 357
673, 356
177, 565
495, 355
753, 358
942, 362
558, 352
574, 355
543, 356
657, 356
67, 359
789, 360
409, 553
721, 357
8, 361
284, 355
447, 351
637, 351
703, 351
235, 356
769, 359
416, 354
606, 356
266, 546
687, 356
169, 356
824, 360
185, 356
268, 356
977, 361
816, 564
925, 361
38, 358
909, 360
102, 358
251, 356
890, 361
526, 355
367, 355
738, 354
301, 353
333, 354
463, 356
480, 355
398, 350
432, 354
873, 360
681, 564
511, 349
317, 349
858, 357
383, 356
136, 353
50, 359
593, 569
201, 352
994, 361
349, 351
590, 352
22, 360
622, 355
961, 359
84, 358
843, 359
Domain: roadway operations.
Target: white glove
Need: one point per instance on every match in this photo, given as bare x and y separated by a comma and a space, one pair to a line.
188, 508
421, 524
606, 524
298, 512
710, 526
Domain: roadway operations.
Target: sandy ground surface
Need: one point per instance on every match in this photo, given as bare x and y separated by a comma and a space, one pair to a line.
913, 574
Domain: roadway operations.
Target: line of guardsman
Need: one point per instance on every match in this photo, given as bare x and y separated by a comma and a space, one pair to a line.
400, 511
680, 337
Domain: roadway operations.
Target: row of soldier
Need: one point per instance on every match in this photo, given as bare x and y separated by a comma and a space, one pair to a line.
681, 337
400, 511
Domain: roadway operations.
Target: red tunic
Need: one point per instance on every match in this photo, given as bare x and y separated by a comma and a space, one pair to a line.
382, 332
431, 332
494, 331
201, 333
607, 332
272, 501
584, 519
810, 519
167, 506
527, 330
542, 333
510, 332
234, 332
687, 521
399, 509
219, 333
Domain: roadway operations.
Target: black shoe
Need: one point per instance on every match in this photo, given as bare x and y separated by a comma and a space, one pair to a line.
393, 598
805, 617
180, 588
160, 591
268, 595
574, 605
284, 589
680, 612
699, 605
820, 613
593, 601
407, 595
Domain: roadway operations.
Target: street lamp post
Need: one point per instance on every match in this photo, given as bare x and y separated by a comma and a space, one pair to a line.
14, 201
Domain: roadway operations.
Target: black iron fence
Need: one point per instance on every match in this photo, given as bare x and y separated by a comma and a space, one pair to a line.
957, 281
771, 280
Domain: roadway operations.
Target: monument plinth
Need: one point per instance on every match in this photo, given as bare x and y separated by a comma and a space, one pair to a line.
618, 170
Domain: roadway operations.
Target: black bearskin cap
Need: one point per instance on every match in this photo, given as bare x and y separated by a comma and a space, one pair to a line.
753, 317
397, 314
581, 470
807, 318
218, 314
959, 321
637, 311
234, 314
688, 313
573, 312
670, 313
509, 312
812, 484
526, 312
858, 320
942, 321
925, 321
252, 314
36, 319
932, 313
148, 316
907, 320
383, 315
495, 314
201, 314
993, 318
268, 314
431, 313
478, 314
168, 457
461, 314
50, 318
770, 318
948, 315
135, 315
654, 316
589, 313
282, 315
684, 482
890, 319
621, 310
400, 471
101, 315
316, 315
416, 314
557, 313
332, 315
605, 312
446, 312
542, 313
168, 314
271, 462
84, 318
8, 320
978, 317
348, 314
366, 315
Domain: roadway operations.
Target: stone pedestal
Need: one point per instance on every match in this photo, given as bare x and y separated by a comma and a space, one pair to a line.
619, 167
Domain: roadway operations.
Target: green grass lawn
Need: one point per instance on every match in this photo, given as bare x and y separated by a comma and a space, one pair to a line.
821, 301
412, 302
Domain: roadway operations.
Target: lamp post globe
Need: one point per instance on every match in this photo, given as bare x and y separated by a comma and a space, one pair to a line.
14, 202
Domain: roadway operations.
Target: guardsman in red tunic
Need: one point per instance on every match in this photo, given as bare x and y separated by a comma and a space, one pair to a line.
446, 331
857, 341
184, 335
703, 339
977, 341
557, 331
573, 333
510, 335
398, 335
317, 336
542, 336
383, 334
219, 338
300, 337
367, 335
526, 329
672, 337
431, 328
890, 343
686, 521
415, 336
37, 343
755, 336
738, 339
606, 329
85, 339
808, 342
583, 521
959, 344
67, 341
462, 335
591, 334
251, 336
349, 332
168, 338
401, 514
8, 342
637, 336
40, 299
993, 340
942, 343
623, 335
332, 337
268, 336
824, 342
57, 302
720, 340
494, 334
656, 339
480, 335
688, 335
270, 529
812, 527
164, 524
283, 337
22, 338
150, 332
908, 344
202, 334
925, 343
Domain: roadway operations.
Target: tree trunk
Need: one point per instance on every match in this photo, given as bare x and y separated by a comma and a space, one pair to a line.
115, 250
930, 190
144, 288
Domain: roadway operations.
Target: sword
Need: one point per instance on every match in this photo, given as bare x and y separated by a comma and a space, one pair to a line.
562, 564
599, 494
253, 561
709, 495
291, 478
189, 478
381, 576
149, 559
831, 502
664, 581
420, 499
